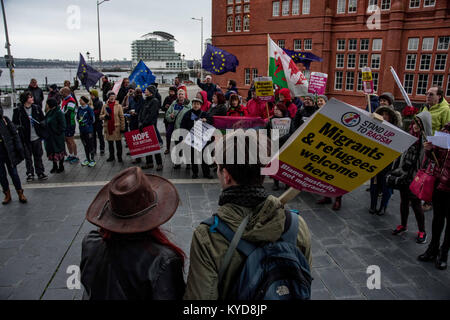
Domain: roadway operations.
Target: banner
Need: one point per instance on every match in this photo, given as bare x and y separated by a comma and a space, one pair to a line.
117, 86
281, 124
317, 83
199, 135
338, 149
367, 80
226, 122
264, 88
142, 144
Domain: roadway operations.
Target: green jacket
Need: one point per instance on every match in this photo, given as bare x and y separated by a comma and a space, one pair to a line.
56, 124
440, 115
208, 249
178, 114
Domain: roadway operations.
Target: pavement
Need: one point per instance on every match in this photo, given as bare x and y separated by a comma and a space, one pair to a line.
40, 241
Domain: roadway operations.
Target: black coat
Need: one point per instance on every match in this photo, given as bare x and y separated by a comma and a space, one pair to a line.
21, 120
187, 122
123, 91
106, 87
130, 269
38, 95
219, 110
148, 115
56, 124
210, 89
11, 140
97, 109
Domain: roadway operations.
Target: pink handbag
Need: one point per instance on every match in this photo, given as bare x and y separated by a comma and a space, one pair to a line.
424, 183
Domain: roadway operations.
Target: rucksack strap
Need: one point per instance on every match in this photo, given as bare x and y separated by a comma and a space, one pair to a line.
291, 227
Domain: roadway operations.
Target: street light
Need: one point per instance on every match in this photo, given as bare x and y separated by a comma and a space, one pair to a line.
98, 25
9, 60
201, 58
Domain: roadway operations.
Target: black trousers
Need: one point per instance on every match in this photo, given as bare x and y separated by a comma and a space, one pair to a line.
118, 146
205, 167
88, 143
406, 197
441, 217
149, 159
33, 151
98, 134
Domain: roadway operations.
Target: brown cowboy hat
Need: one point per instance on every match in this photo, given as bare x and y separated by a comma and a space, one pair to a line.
133, 202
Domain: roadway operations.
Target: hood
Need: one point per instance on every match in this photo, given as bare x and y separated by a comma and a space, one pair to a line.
266, 223
206, 104
388, 96
395, 120
286, 93
425, 117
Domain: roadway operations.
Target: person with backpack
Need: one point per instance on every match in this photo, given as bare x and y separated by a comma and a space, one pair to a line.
403, 172
230, 249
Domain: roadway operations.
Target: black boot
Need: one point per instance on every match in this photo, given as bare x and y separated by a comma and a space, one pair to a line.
381, 211
61, 167
110, 159
441, 260
55, 167
429, 255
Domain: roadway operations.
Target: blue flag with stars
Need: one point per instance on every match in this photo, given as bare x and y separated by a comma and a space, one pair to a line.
142, 76
218, 61
303, 57
87, 75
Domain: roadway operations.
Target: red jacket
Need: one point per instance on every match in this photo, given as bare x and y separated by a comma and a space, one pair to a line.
239, 111
206, 104
257, 108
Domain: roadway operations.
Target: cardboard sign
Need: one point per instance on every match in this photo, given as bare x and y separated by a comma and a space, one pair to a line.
367, 80
199, 135
338, 149
143, 144
264, 88
317, 83
283, 125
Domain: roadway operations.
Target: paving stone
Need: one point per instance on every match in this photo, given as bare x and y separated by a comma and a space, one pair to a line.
405, 292
388, 271
336, 281
321, 295
59, 294
344, 257
377, 294
321, 261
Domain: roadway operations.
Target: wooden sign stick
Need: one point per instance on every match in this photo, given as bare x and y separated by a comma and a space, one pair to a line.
290, 194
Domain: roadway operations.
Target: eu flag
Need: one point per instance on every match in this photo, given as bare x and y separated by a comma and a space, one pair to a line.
87, 75
218, 61
303, 57
142, 76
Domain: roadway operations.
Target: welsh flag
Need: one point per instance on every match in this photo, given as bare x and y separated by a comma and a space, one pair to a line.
284, 71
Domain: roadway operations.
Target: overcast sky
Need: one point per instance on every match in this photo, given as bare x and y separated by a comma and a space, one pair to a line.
39, 28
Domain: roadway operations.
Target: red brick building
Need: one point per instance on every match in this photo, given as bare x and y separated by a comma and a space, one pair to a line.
413, 37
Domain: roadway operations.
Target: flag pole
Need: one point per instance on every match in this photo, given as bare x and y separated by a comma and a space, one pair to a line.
268, 54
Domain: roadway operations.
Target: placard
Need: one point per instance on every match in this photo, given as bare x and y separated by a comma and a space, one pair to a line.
143, 143
317, 83
199, 135
264, 88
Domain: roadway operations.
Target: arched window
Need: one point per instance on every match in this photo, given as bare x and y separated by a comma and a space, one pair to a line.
246, 23
238, 24
230, 24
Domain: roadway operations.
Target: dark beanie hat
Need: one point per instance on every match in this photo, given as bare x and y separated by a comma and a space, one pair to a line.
52, 103
151, 89
86, 100
173, 89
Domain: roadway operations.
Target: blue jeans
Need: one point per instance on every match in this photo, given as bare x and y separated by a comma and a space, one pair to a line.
6, 165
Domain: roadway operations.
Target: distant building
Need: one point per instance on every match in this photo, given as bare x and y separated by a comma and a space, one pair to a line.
413, 37
157, 50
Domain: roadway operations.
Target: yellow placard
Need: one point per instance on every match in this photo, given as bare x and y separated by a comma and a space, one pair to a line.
367, 76
264, 88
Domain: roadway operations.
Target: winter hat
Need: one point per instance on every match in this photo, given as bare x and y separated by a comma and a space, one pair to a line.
387, 96
324, 97
52, 103
86, 100
286, 93
174, 89
94, 93
309, 95
197, 100
151, 89
54, 87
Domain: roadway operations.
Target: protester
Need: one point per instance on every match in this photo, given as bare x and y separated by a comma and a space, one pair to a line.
37, 93
298, 102
98, 124
378, 183
148, 116
176, 113
165, 106
86, 121
374, 103
29, 120
157, 94
438, 107
236, 109
219, 106
114, 125
187, 123
55, 122
231, 89
68, 106
129, 257
256, 107
309, 107
285, 97
441, 205
243, 198
123, 91
280, 112
11, 154
208, 86
106, 87
322, 100
72, 89
387, 100
202, 95
403, 172
53, 93
180, 85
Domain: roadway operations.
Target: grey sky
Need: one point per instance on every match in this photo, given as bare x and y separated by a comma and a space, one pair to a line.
38, 29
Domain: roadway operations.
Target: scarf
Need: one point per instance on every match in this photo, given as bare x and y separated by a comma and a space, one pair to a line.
111, 122
244, 196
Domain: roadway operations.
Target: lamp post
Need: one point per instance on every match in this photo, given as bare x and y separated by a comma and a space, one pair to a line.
201, 58
98, 28
9, 59
182, 64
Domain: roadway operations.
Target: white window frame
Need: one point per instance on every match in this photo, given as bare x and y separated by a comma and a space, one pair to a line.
351, 83
246, 8
375, 41
305, 44
276, 4
282, 46
431, 3
285, 10
246, 23
376, 80
306, 7
354, 5
230, 2
366, 55
336, 80
364, 41
299, 46
355, 41
413, 44
237, 26
441, 83
418, 83
377, 55
408, 59
353, 59
254, 73
359, 84
409, 90
427, 41
238, 9
247, 79
445, 44
422, 59
415, 2
385, 5
230, 10
436, 60
340, 63
339, 45
295, 7
341, 4
230, 26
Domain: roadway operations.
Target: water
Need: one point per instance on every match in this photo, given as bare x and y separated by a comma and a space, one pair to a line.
22, 77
